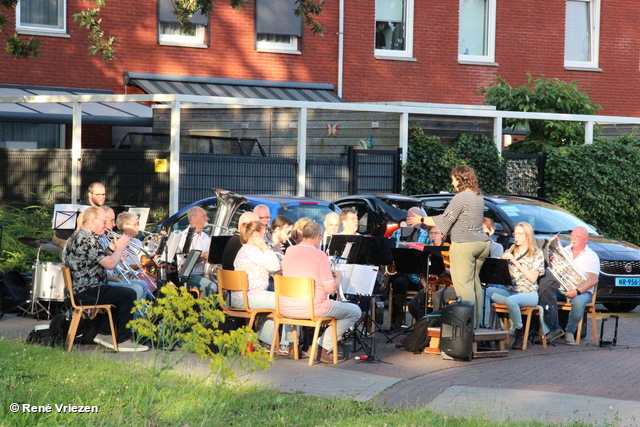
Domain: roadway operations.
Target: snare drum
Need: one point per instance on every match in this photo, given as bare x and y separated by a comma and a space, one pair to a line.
48, 282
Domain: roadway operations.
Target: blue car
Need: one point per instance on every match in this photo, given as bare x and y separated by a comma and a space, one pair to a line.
293, 207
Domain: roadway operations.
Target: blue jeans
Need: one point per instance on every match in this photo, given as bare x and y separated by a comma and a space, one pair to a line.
141, 289
513, 301
206, 286
577, 309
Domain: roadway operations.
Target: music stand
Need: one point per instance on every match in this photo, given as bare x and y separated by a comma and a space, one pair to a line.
216, 248
184, 274
371, 251
345, 246
494, 271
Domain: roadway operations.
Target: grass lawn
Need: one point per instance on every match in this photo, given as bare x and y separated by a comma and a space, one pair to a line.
134, 394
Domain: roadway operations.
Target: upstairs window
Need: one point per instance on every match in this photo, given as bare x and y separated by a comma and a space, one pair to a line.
394, 29
582, 34
170, 31
476, 38
41, 16
277, 28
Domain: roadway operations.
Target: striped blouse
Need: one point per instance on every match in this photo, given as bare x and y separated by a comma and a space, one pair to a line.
463, 218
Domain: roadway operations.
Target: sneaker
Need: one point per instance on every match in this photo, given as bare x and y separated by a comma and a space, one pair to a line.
283, 350
555, 334
569, 339
129, 346
104, 340
326, 356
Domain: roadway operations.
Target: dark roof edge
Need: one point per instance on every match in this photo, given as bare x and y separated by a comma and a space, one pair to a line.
129, 76
67, 89
67, 119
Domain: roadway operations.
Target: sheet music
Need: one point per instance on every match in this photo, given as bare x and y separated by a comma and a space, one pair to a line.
358, 279
142, 215
65, 216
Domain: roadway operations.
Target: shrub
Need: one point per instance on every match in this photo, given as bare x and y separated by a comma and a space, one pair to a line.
429, 163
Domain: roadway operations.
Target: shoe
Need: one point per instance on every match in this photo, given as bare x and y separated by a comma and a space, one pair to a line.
327, 356
104, 340
518, 341
569, 339
555, 334
129, 346
283, 350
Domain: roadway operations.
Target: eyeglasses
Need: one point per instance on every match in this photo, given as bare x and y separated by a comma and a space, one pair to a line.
99, 194
518, 233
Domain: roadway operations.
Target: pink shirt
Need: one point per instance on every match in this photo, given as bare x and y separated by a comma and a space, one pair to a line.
305, 260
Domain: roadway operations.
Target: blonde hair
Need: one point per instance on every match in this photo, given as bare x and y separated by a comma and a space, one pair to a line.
249, 229
532, 245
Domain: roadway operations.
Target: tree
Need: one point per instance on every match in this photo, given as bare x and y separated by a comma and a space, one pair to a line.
543, 96
183, 9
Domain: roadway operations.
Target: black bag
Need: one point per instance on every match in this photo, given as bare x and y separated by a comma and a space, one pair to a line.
13, 291
54, 335
419, 338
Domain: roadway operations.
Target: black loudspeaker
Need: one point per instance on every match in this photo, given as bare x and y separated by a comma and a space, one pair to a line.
456, 333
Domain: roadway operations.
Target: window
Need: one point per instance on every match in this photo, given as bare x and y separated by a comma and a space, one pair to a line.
170, 32
582, 34
277, 29
41, 16
394, 29
476, 39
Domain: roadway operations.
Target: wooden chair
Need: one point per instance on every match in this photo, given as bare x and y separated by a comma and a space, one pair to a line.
526, 311
230, 280
304, 288
590, 309
78, 310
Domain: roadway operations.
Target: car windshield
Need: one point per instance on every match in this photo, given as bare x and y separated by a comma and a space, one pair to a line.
315, 212
544, 218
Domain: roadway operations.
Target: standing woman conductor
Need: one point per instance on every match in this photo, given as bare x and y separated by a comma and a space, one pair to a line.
469, 244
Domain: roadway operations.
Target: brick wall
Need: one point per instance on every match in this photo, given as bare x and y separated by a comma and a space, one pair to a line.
530, 39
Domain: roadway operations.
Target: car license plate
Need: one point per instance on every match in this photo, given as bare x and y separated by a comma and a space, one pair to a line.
627, 281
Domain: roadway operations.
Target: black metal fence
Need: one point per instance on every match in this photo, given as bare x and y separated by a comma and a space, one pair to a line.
131, 177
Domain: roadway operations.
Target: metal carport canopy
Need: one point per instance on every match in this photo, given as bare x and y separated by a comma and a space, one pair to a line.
403, 110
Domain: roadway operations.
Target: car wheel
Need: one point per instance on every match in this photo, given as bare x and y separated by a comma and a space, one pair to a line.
620, 307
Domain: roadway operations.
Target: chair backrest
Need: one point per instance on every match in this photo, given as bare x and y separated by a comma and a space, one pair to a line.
295, 287
593, 295
233, 280
68, 283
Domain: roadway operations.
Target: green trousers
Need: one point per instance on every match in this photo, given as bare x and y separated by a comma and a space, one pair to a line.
466, 262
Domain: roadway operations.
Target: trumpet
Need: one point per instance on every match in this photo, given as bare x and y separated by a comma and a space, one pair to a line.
112, 234
147, 263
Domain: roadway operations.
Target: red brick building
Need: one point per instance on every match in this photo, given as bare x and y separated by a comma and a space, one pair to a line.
438, 52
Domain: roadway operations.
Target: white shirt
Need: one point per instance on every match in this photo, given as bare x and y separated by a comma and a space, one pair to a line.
200, 241
587, 261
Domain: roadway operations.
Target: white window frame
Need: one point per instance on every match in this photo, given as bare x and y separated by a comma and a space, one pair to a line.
197, 40
275, 47
60, 31
594, 18
489, 58
407, 53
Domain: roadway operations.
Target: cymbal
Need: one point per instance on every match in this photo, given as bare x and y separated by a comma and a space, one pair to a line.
40, 243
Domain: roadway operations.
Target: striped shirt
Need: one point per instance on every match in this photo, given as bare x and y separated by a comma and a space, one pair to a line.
463, 218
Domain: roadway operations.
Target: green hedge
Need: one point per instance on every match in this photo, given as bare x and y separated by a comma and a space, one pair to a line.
600, 184
429, 163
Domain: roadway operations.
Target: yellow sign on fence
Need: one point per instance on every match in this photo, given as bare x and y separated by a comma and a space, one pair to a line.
162, 165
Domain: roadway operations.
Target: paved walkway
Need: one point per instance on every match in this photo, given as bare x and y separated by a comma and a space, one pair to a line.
594, 385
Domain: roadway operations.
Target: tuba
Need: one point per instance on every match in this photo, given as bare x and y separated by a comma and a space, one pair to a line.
563, 267
227, 205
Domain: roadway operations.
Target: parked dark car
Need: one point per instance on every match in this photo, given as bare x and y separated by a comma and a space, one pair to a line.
293, 207
619, 282
378, 214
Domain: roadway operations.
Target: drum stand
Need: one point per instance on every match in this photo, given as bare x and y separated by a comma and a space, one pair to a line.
35, 307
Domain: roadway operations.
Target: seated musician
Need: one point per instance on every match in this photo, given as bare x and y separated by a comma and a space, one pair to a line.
200, 241
259, 262
296, 232
400, 283
134, 256
307, 260
349, 221
526, 265
588, 263
88, 262
234, 244
441, 289
122, 275
331, 226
